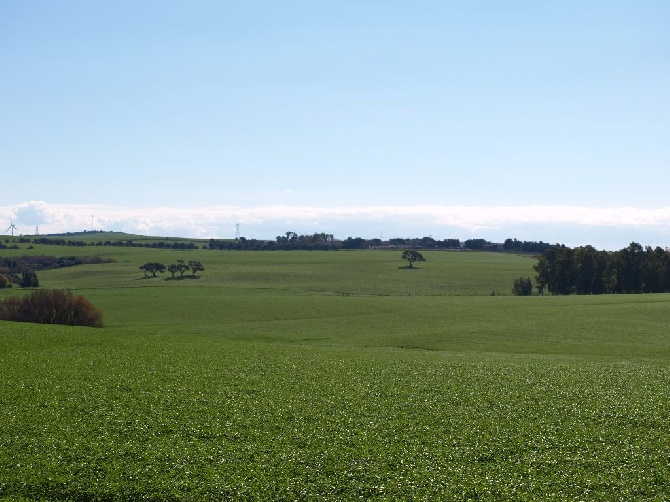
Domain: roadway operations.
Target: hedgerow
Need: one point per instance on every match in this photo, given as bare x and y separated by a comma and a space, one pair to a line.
51, 306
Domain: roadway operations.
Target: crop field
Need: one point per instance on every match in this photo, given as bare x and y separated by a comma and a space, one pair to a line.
334, 376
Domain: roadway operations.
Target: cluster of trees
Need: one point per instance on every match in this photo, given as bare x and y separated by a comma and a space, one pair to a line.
584, 270
151, 269
51, 306
286, 242
17, 271
242, 244
513, 245
316, 241
24, 278
21, 270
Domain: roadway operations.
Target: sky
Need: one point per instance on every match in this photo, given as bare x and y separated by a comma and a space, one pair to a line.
544, 121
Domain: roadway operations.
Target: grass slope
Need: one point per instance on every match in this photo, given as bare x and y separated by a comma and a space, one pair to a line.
335, 376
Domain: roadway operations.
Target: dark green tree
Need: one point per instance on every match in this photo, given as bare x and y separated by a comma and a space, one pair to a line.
410, 256
195, 267
152, 268
182, 267
173, 269
522, 286
29, 279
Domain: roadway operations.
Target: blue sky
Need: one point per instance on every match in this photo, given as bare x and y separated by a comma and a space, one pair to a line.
537, 120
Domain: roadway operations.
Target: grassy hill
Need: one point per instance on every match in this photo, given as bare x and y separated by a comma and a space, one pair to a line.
334, 375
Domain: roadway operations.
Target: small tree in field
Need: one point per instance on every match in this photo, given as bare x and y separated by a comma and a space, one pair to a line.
411, 256
522, 286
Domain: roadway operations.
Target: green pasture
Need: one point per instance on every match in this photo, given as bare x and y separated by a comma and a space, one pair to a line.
364, 272
334, 376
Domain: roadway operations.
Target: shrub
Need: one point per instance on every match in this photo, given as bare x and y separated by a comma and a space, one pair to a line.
51, 306
522, 286
9, 309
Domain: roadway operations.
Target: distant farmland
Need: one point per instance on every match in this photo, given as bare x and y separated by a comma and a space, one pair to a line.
333, 375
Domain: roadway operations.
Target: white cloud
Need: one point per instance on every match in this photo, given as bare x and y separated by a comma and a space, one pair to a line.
268, 221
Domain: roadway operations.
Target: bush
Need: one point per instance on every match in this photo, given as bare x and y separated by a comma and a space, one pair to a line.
9, 308
51, 306
522, 286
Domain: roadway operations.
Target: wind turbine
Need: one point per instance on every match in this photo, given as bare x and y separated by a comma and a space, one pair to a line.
11, 227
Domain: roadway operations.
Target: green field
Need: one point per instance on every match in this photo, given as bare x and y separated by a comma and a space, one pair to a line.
334, 376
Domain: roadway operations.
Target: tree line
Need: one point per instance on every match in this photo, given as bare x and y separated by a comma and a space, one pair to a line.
22, 270
584, 270
310, 242
326, 242
151, 269
58, 241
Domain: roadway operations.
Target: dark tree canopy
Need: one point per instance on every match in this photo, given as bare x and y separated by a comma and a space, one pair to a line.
410, 256
51, 306
173, 269
195, 267
182, 267
152, 268
523, 286
585, 270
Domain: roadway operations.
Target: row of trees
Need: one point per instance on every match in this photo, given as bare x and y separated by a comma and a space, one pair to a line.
316, 241
513, 245
322, 241
59, 241
151, 269
585, 270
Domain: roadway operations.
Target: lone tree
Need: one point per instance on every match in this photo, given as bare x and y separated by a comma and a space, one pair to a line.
411, 256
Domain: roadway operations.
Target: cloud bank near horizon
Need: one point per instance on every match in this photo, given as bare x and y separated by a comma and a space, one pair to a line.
267, 221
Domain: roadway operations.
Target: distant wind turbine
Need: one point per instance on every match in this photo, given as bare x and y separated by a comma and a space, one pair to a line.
11, 227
